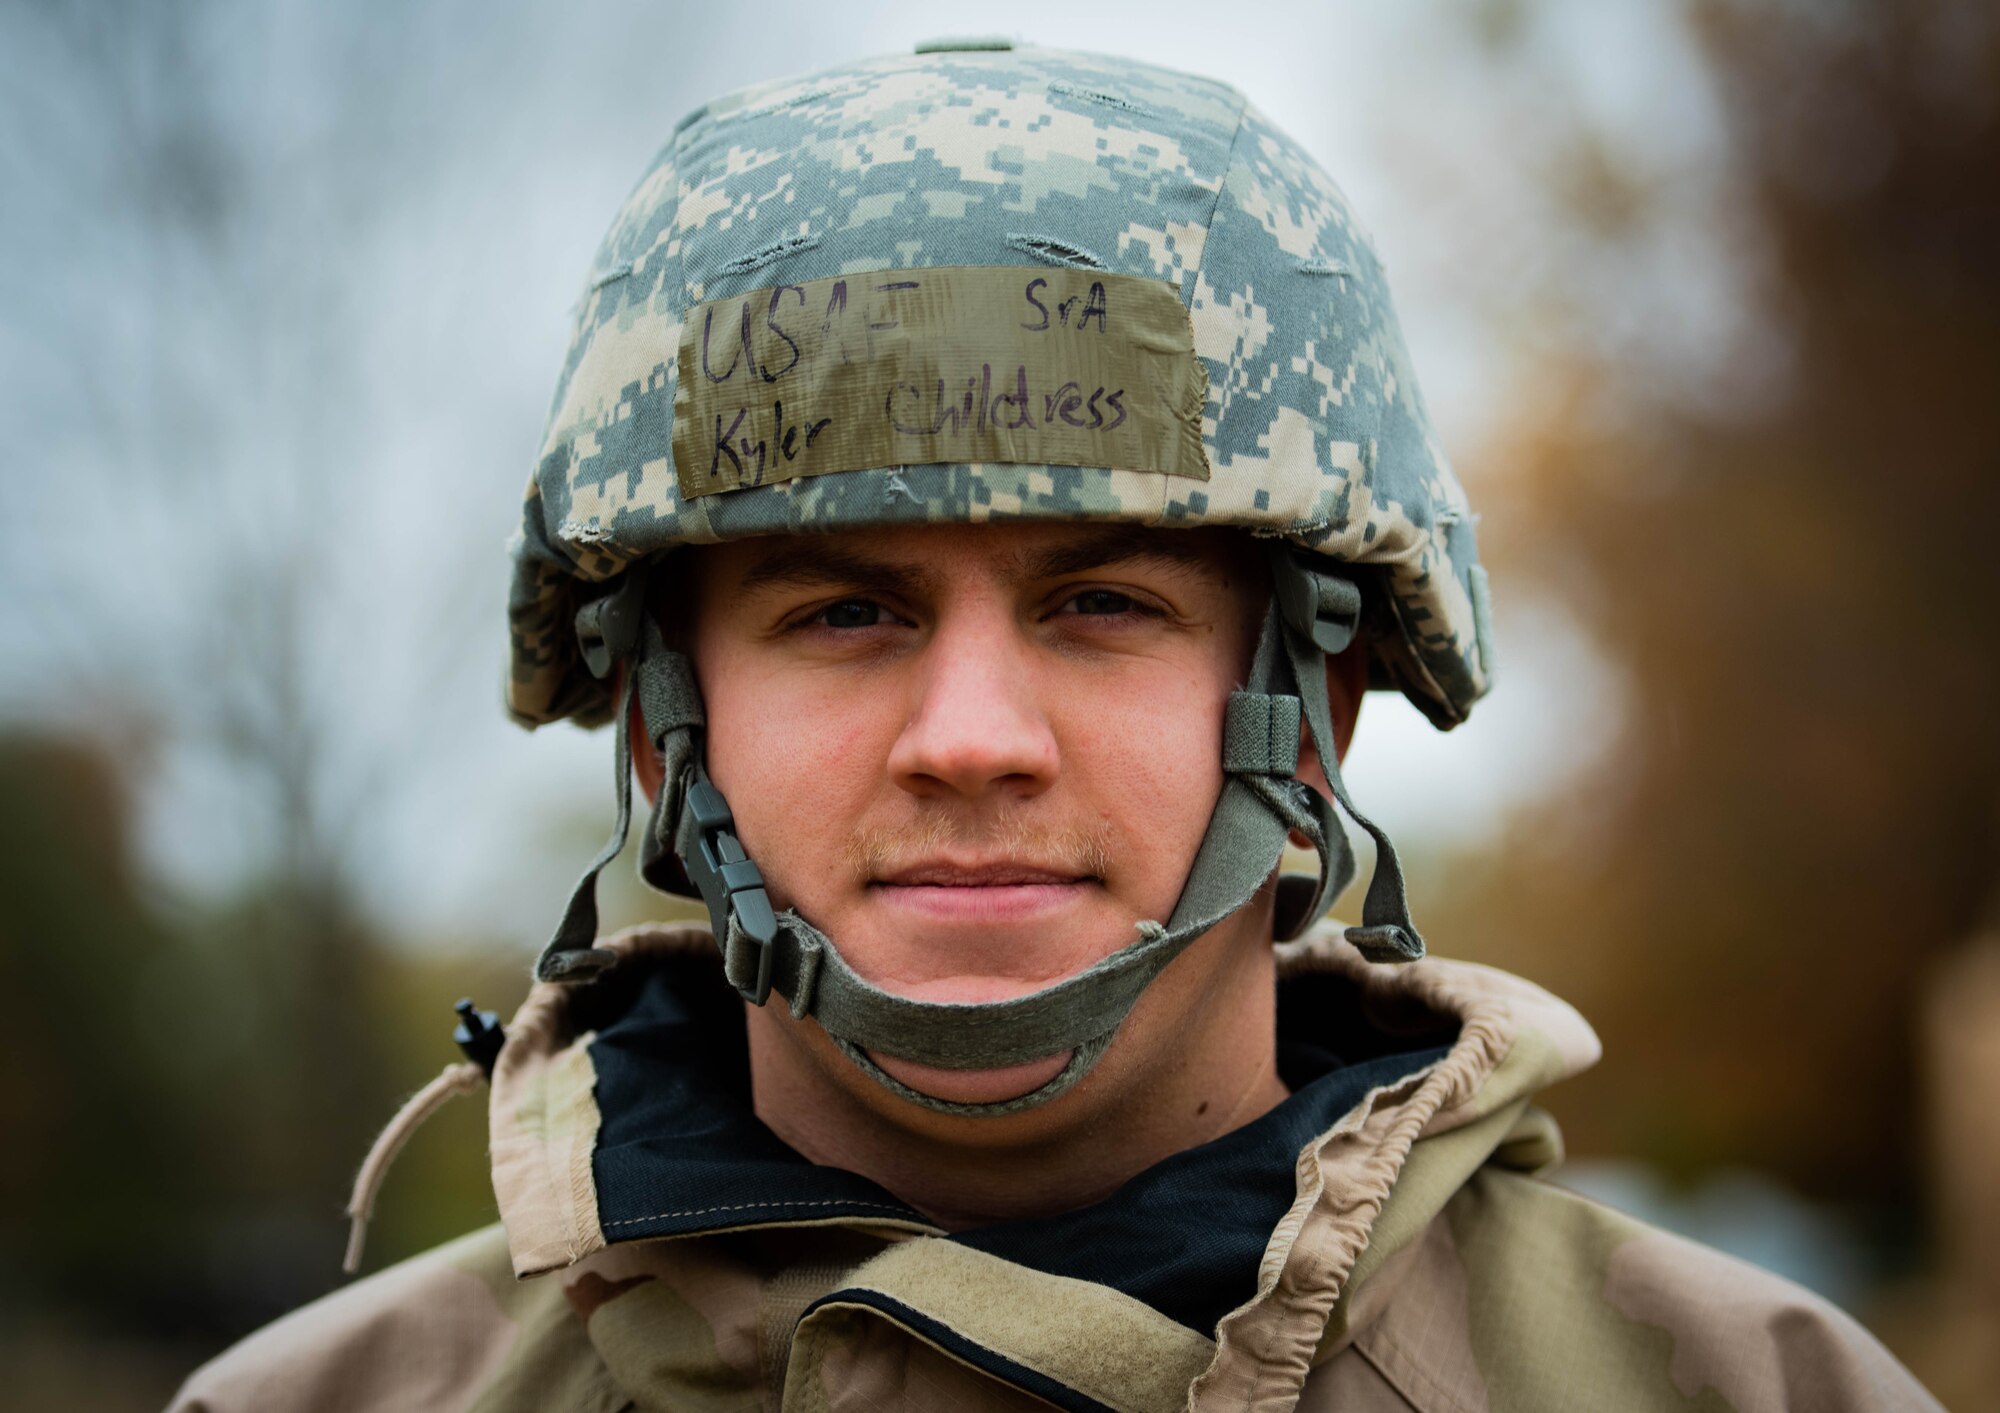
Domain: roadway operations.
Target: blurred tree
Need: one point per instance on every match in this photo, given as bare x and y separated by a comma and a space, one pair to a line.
1794, 569
79, 1117
185, 1094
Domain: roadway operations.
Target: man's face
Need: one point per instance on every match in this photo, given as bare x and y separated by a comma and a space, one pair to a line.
974, 755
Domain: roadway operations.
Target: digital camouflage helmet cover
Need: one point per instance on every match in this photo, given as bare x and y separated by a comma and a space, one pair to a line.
985, 283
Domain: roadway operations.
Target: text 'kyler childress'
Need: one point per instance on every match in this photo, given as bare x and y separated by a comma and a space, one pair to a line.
772, 358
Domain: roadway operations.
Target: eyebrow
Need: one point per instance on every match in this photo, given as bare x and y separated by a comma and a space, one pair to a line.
808, 564
811, 563
1116, 544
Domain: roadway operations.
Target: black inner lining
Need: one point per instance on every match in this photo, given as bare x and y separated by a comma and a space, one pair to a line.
679, 1150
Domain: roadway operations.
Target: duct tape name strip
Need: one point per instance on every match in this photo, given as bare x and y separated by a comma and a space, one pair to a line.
957, 364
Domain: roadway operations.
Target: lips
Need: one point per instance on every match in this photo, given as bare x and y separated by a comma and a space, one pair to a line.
1006, 874
984, 893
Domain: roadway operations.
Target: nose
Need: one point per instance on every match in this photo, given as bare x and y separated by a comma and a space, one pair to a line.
979, 727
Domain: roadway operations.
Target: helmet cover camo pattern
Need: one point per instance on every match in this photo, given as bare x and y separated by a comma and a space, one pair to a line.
1314, 427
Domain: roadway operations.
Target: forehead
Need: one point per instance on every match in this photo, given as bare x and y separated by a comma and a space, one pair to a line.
1019, 552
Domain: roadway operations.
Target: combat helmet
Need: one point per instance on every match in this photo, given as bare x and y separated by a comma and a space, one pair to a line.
983, 283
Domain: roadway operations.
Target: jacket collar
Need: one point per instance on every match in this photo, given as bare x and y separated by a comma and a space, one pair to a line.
621, 1114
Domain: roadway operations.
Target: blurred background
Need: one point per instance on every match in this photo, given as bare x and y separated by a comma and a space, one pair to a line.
1707, 303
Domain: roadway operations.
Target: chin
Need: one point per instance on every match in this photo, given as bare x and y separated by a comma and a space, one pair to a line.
973, 1086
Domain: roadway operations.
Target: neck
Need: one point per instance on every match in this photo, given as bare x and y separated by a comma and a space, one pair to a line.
1195, 1060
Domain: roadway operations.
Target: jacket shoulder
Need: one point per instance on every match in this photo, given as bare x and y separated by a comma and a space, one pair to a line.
449, 1329
1537, 1297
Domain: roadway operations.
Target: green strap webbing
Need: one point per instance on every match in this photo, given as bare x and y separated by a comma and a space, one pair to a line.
670, 705
1081, 1060
571, 954
810, 972
1260, 735
1386, 932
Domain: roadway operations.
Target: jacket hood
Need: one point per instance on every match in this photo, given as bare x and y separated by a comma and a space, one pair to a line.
622, 1128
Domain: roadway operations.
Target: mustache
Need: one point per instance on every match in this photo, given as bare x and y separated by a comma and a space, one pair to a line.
1014, 836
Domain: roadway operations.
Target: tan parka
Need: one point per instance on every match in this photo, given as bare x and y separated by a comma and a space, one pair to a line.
1380, 1242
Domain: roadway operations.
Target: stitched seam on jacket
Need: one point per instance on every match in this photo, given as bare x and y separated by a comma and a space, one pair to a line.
1413, 1371
757, 1207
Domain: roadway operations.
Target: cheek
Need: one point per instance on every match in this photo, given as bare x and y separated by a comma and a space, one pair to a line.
1151, 766
798, 768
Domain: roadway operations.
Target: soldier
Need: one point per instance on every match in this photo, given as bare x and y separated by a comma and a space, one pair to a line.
981, 487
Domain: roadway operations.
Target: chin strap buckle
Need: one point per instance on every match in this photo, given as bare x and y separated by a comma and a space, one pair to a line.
729, 882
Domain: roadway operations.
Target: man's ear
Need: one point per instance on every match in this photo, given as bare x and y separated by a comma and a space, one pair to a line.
1346, 681
646, 763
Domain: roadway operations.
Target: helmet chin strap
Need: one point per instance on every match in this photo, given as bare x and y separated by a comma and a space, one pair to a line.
691, 828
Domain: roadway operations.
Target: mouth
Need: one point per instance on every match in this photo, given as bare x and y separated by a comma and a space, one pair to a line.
991, 891
995, 873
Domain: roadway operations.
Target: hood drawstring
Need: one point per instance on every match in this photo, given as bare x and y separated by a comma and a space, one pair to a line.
479, 1035
460, 1078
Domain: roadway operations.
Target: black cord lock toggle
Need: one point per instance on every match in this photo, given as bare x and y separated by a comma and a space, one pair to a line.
479, 1035
729, 882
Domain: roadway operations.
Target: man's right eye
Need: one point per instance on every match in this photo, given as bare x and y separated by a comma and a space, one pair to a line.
850, 613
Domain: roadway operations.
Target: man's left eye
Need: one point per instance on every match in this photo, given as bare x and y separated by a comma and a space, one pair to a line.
851, 613
1099, 602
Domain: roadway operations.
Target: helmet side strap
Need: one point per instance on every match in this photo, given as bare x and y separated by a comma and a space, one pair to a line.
1334, 605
